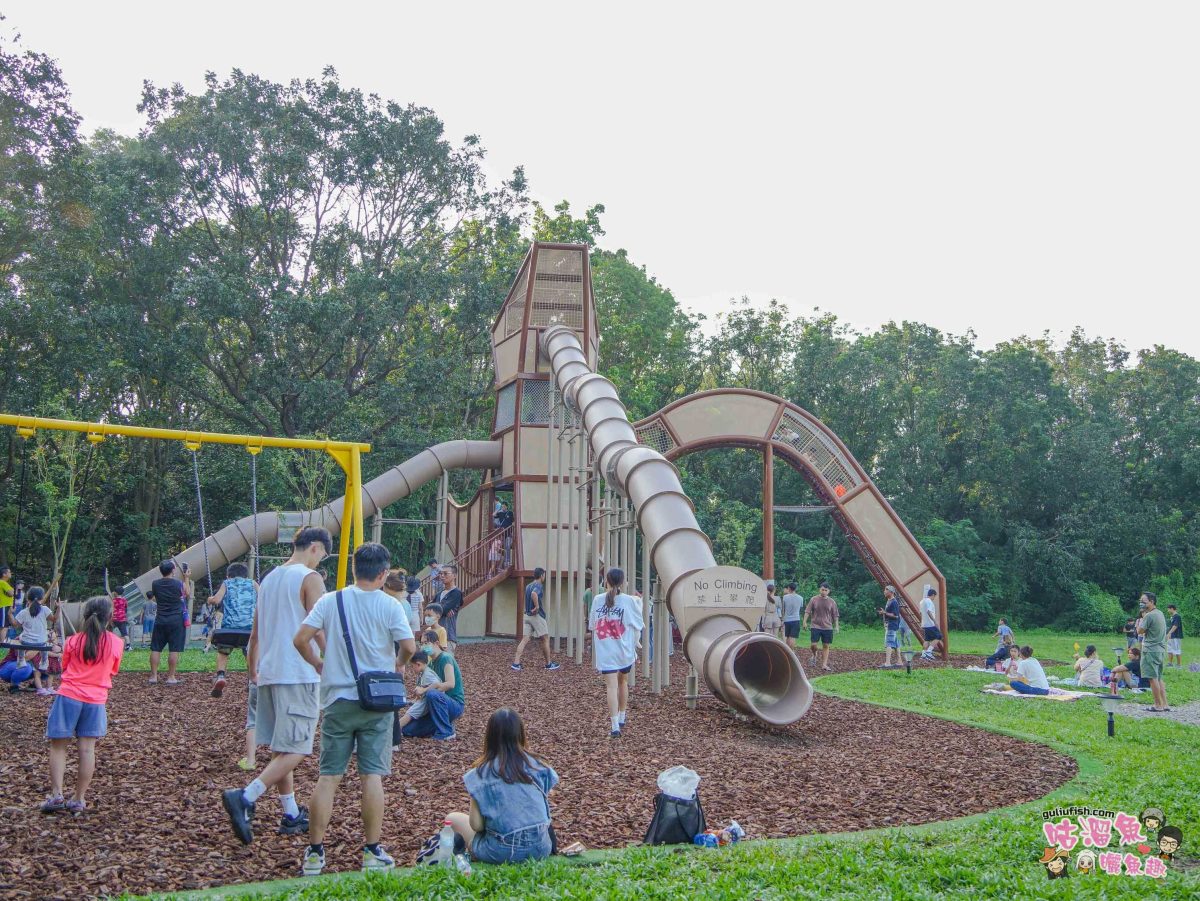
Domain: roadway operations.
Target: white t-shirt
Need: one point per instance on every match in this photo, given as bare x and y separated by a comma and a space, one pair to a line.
615, 631
34, 629
1031, 671
1090, 669
280, 613
928, 613
376, 622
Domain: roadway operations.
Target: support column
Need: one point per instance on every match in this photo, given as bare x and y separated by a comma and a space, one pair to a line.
440, 549
377, 528
583, 518
768, 512
647, 611
546, 564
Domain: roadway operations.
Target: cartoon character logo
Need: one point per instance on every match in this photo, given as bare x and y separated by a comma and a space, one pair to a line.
1085, 862
1169, 840
1153, 819
1055, 862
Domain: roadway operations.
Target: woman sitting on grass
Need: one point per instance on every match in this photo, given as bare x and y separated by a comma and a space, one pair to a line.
509, 819
1130, 674
1030, 678
1089, 668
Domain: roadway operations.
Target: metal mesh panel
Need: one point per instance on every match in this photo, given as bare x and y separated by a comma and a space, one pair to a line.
506, 407
515, 311
655, 435
535, 402
558, 289
824, 457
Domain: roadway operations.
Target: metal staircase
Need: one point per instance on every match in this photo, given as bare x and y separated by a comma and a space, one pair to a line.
481, 567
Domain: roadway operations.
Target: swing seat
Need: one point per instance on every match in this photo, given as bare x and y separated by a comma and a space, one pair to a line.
17, 646
230, 638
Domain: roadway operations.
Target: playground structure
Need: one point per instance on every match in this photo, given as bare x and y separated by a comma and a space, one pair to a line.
589, 490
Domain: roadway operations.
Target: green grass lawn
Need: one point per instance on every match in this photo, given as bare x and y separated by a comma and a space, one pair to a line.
993, 855
193, 660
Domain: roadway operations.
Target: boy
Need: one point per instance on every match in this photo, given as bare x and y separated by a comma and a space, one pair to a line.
425, 677
432, 614
1174, 636
929, 625
149, 612
535, 621
890, 611
822, 610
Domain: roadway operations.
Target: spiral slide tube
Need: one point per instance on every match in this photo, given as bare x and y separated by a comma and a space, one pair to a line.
753, 672
235, 540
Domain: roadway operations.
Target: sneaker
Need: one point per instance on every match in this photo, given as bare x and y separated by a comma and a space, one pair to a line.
45, 692
76, 808
218, 686
453, 736
54, 804
812, 661
377, 860
516, 667
827, 668
314, 863
553, 666
297, 825
246, 764
241, 814
616, 733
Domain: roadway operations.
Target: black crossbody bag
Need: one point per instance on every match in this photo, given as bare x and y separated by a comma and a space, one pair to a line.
379, 691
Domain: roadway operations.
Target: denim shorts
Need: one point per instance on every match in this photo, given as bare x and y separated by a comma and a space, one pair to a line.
524, 844
891, 639
76, 719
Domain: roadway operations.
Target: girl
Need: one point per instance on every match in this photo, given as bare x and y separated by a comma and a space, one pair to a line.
509, 787
90, 659
34, 622
616, 624
398, 586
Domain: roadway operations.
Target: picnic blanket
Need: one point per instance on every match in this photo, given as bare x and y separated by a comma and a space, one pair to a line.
1056, 694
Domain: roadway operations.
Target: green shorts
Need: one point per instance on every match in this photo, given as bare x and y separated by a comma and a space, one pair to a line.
345, 724
1152, 664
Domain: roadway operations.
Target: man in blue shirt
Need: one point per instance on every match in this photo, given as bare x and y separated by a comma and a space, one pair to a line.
891, 622
535, 621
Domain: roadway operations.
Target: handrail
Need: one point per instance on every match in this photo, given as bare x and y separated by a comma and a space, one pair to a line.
488, 558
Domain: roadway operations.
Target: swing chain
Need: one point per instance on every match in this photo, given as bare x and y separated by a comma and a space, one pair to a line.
200, 510
254, 504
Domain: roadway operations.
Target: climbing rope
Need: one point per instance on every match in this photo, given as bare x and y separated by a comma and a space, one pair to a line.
200, 510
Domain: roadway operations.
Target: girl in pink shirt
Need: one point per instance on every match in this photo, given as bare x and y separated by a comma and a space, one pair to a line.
90, 659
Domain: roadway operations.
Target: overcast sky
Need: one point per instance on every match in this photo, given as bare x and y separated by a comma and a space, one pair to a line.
1007, 167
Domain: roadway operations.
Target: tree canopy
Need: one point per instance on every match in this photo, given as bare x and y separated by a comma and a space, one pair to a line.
303, 259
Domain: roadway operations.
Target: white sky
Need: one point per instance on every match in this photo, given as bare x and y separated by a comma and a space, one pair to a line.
1010, 167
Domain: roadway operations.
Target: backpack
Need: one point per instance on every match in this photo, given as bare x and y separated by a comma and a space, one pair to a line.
675, 822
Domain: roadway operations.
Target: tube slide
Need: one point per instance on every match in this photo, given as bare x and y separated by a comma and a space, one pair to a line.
235, 540
715, 606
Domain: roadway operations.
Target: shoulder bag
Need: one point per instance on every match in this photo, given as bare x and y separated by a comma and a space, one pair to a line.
379, 691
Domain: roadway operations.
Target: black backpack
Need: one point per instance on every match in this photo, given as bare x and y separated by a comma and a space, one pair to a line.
675, 822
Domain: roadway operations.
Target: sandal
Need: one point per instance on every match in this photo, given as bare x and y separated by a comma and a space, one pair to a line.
75, 808
173, 682
54, 804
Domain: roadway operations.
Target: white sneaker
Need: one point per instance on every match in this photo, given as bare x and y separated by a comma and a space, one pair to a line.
314, 863
380, 860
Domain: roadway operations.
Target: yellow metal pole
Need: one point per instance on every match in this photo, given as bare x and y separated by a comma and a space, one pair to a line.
344, 537
356, 490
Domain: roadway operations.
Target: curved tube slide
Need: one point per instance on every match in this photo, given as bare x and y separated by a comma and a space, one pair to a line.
755, 673
235, 540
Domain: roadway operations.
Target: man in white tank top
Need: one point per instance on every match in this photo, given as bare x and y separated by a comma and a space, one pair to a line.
287, 684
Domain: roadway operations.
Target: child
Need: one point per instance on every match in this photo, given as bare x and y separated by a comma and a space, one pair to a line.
149, 612
34, 623
425, 677
432, 614
615, 626
121, 617
90, 659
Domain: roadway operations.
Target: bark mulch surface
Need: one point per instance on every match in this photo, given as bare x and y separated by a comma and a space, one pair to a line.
155, 821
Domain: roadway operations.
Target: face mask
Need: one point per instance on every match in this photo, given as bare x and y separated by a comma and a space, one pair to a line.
430, 620
427, 648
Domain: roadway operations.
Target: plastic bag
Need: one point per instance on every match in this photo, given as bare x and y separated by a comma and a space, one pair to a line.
679, 782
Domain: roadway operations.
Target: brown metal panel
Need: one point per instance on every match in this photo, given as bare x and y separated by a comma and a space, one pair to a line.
768, 512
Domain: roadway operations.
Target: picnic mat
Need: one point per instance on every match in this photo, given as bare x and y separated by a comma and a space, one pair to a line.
1056, 694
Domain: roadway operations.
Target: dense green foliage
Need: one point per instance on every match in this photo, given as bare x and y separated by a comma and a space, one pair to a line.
304, 259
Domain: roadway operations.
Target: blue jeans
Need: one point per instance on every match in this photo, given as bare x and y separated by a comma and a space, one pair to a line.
1026, 689
441, 711
534, 842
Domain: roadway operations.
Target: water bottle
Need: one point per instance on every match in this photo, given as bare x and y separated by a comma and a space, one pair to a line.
463, 863
445, 851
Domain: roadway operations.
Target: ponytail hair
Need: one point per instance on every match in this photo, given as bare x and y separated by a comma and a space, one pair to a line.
34, 598
97, 615
615, 579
